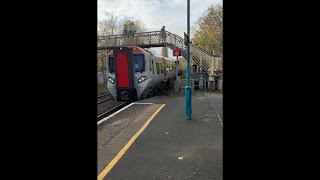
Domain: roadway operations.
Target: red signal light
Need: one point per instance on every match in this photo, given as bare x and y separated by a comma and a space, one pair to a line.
176, 53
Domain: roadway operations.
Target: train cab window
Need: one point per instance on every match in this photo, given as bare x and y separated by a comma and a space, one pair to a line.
139, 62
111, 64
158, 68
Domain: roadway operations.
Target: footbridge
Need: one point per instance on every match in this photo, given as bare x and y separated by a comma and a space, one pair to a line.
198, 56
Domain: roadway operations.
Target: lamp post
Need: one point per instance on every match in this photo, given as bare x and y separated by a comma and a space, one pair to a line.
187, 88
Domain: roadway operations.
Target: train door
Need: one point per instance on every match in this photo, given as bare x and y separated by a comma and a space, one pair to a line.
123, 68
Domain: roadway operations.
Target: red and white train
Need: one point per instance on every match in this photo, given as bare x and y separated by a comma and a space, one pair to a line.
134, 73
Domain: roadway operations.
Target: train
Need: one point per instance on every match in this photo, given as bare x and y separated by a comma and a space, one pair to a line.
135, 73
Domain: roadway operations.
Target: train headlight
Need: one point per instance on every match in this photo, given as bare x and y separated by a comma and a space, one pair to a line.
142, 78
110, 80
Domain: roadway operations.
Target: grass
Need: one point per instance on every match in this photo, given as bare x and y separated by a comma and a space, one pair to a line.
102, 89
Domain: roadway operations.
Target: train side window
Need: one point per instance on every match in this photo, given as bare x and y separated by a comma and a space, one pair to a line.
158, 68
111, 64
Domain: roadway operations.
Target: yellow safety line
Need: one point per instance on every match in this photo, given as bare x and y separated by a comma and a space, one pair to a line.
126, 147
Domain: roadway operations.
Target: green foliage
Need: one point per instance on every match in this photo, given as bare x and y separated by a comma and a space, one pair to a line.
208, 31
109, 25
113, 24
102, 89
101, 58
130, 27
182, 63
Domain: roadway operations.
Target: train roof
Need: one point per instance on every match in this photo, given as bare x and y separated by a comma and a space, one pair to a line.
135, 49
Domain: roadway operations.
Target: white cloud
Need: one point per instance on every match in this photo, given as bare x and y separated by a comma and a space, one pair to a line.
157, 13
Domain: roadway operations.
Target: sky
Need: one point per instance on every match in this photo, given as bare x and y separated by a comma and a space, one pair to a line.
157, 13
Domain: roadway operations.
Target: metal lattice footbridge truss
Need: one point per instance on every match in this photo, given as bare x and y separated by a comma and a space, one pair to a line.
198, 56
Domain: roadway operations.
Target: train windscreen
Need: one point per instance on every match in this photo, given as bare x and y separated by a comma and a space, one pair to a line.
138, 62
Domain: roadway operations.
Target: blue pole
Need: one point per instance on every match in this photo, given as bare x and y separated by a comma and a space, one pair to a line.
187, 96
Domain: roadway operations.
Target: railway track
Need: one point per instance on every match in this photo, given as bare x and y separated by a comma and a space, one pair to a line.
99, 102
114, 109
111, 106
103, 95
106, 97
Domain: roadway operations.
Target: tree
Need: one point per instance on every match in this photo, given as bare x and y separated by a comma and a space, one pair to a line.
112, 25
182, 63
208, 30
101, 64
130, 27
108, 26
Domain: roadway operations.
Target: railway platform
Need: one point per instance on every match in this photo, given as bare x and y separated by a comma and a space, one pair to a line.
150, 139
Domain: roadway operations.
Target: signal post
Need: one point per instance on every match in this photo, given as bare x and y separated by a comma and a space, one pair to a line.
176, 87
